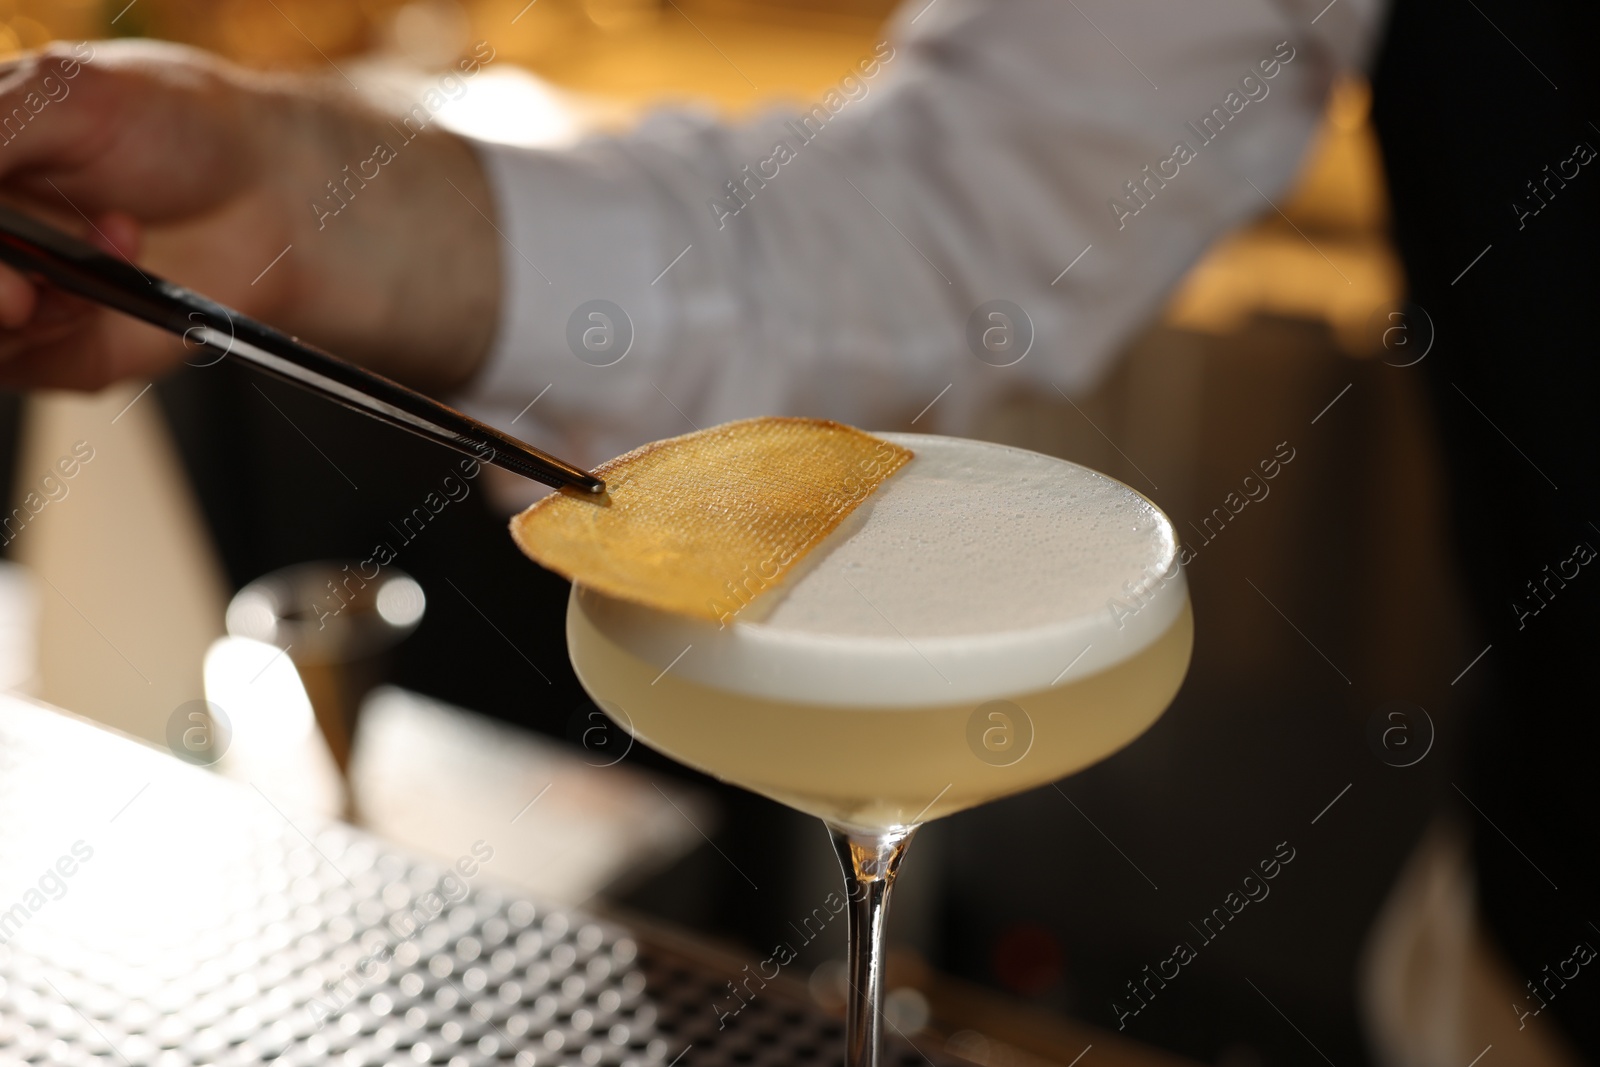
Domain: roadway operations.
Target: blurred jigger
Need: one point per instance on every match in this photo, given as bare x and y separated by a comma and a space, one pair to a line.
338, 628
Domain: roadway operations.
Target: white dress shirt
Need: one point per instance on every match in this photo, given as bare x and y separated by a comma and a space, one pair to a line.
977, 155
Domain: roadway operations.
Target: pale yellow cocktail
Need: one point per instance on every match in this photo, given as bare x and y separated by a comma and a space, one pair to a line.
987, 621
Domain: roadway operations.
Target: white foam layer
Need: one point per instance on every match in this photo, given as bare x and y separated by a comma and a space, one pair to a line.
976, 572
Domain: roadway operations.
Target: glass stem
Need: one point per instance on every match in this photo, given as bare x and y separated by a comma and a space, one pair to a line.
870, 861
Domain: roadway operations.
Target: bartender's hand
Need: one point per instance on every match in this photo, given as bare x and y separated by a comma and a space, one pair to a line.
204, 173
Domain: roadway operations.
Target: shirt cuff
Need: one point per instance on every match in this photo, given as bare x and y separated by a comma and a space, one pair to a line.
582, 329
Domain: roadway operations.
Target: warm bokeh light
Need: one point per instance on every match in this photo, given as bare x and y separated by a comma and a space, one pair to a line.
1274, 268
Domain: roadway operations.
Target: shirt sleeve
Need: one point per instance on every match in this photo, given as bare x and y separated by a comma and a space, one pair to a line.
992, 198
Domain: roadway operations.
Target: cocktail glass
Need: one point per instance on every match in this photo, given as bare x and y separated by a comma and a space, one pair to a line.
988, 621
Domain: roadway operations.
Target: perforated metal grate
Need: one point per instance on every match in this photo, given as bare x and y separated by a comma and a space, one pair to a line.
206, 927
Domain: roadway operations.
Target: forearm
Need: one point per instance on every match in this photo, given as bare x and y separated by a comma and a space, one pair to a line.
393, 258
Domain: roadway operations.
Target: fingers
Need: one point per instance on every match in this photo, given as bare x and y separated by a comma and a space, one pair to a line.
135, 147
115, 233
119, 234
18, 298
159, 132
72, 345
41, 126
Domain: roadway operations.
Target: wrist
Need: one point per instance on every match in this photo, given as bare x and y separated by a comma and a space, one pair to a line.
395, 254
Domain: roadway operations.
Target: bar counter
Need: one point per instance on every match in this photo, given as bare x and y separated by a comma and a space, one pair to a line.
154, 913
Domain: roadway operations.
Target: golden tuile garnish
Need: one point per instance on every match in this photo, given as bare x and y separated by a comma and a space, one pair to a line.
700, 524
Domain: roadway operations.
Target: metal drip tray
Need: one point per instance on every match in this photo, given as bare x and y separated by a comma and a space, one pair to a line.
151, 913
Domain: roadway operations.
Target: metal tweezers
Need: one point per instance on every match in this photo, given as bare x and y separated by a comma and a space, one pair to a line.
79, 268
